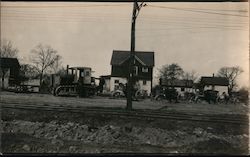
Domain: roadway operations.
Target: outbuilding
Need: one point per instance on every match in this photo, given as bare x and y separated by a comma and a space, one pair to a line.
9, 72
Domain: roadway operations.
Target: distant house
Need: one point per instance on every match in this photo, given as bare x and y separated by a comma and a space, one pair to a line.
143, 71
181, 86
219, 84
9, 72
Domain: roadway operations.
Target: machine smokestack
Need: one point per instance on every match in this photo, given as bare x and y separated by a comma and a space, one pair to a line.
67, 69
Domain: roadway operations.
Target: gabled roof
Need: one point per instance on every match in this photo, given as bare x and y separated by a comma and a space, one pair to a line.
220, 81
9, 63
177, 83
119, 57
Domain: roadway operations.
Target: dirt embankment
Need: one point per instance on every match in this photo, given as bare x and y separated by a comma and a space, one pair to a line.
83, 134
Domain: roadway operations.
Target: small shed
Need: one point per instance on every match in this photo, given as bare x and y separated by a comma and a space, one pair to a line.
9, 72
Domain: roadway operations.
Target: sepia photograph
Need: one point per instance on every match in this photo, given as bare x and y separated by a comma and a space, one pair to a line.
124, 77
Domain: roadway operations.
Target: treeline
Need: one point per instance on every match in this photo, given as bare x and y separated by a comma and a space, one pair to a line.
43, 60
174, 71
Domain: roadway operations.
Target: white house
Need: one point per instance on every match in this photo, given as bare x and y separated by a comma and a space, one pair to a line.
181, 86
143, 71
219, 84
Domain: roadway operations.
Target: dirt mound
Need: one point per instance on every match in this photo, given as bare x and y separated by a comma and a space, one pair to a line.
199, 139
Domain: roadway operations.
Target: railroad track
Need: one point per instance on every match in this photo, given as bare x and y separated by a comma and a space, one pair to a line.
148, 114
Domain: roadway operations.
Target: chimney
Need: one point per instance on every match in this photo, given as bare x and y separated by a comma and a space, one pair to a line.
213, 74
67, 69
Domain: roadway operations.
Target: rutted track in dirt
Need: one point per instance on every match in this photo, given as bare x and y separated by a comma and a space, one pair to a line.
148, 114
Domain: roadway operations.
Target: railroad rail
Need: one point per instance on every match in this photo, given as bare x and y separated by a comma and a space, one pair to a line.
149, 114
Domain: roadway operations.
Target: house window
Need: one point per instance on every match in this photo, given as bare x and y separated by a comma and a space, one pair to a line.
116, 87
82, 73
182, 89
144, 69
136, 70
87, 73
144, 82
116, 81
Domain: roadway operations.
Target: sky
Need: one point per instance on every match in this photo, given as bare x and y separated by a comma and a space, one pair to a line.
198, 36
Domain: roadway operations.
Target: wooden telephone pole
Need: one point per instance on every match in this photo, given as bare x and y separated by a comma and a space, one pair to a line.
136, 9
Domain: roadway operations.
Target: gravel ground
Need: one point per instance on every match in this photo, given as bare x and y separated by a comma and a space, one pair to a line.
126, 135
27, 131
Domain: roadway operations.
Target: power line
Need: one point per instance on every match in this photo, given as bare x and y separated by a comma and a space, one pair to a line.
60, 6
187, 28
105, 15
93, 18
155, 23
17, 18
142, 36
51, 15
192, 18
86, 20
198, 23
196, 11
220, 10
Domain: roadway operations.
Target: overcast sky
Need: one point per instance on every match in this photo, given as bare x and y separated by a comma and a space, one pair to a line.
198, 36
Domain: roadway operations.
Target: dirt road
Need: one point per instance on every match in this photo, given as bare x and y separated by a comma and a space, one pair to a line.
199, 108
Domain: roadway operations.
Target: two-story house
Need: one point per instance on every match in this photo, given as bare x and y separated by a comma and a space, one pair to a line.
143, 70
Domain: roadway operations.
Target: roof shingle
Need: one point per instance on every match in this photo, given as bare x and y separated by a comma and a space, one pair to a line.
177, 83
220, 81
118, 57
9, 62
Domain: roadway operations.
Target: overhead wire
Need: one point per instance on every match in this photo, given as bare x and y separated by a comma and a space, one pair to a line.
220, 10
60, 6
124, 19
197, 11
192, 18
87, 19
144, 17
77, 17
151, 19
144, 36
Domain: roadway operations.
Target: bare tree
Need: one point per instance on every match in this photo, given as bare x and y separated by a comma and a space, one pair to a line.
28, 71
231, 73
190, 76
57, 67
44, 58
7, 49
171, 72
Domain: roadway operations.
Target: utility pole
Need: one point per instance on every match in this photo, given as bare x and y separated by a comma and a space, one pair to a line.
136, 9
